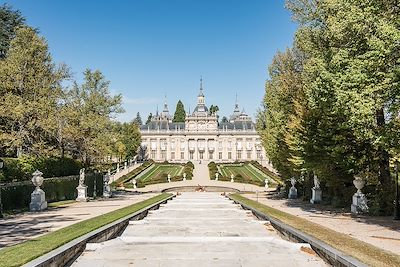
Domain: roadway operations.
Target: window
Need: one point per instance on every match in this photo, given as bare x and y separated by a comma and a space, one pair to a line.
172, 155
182, 155
220, 144
153, 154
239, 155
211, 155
248, 155
220, 155
191, 154
201, 155
258, 155
173, 144
163, 154
229, 155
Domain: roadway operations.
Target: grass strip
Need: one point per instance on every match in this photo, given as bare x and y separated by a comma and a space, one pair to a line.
147, 175
22, 253
254, 173
360, 250
60, 203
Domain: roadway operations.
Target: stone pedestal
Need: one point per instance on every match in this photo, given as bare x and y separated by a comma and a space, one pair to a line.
316, 195
38, 200
359, 204
82, 193
107, 191
292, 192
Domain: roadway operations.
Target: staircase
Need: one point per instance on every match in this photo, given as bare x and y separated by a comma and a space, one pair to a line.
198, 229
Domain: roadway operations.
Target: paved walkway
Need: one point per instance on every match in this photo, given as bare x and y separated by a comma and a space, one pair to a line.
381, 232
29, 225
201, 177
198, 229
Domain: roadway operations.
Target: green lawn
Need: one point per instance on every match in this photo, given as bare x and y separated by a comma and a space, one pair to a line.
369, 254
245, 170
244, 173
22, 253
158, 170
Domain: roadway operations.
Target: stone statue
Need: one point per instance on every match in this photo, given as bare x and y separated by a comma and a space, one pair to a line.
292, 190
82, 189
82, 177
316, 182
316, 191
293, 181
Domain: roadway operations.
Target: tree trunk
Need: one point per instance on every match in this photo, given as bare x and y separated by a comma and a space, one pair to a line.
383, 154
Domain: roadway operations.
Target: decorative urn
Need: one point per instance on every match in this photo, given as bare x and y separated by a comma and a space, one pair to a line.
358, 183
37, 179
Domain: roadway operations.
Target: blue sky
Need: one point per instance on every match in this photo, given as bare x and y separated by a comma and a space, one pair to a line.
150, 48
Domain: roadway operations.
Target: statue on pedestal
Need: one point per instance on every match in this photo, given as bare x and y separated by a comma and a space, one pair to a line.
82, 189
106, 187
316, 191
292, 190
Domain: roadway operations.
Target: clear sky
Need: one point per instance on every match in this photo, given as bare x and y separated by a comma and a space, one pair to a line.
150, 48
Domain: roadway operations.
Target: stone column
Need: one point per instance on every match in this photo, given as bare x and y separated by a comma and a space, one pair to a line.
38, 197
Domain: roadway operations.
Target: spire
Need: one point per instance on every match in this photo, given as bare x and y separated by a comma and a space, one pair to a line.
165, 104
201, 86
157, 111
236, 105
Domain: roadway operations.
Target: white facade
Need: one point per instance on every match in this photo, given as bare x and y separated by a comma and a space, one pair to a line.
200, 137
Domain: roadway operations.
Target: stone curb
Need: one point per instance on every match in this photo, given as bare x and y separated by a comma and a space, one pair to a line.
330, 254
67, 253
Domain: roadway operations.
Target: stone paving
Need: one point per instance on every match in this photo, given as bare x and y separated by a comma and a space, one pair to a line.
381, 232
28, 225
198, 229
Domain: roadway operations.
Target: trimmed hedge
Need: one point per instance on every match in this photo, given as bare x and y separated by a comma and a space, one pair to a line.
17, 195
21, 169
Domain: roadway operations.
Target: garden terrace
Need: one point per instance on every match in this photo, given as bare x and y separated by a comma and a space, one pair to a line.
244, 172
158, 173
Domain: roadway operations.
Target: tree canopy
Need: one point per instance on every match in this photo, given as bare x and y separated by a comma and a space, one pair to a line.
43, 112
10, 20
332, 101
180, 113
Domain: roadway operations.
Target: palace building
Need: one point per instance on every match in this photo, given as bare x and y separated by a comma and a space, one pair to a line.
201, 136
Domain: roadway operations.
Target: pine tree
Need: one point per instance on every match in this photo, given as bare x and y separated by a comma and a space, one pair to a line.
180, 113
30, 87
149, 118
10, 20
138, 119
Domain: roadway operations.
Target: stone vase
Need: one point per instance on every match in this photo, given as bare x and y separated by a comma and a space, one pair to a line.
38, 196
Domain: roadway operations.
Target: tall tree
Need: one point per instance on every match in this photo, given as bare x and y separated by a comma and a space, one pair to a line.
138, 119
224, 119
149, 118
91, 108
10, 20
30, 86
180, 113
214, 109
